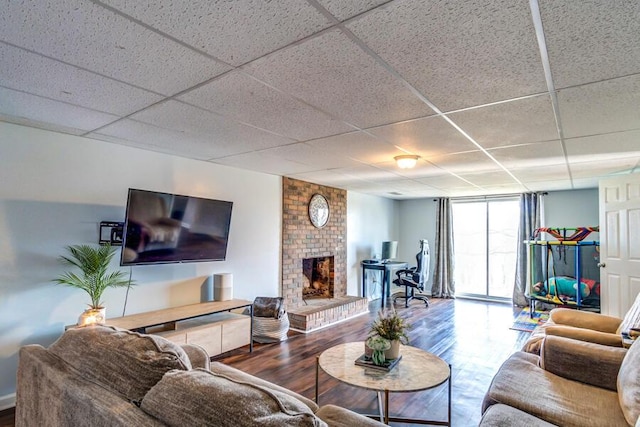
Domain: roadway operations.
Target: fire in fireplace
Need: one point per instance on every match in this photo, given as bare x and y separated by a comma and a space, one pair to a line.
317, 277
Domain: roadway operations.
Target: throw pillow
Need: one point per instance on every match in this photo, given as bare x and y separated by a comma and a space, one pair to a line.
123, 361
204, 398
631, 319
629, 384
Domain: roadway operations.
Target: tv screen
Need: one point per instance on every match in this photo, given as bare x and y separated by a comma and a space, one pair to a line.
169, 228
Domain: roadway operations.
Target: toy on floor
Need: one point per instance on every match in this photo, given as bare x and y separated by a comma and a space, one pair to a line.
564, 287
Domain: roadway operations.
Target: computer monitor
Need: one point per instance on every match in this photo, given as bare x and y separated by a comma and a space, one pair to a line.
389, 250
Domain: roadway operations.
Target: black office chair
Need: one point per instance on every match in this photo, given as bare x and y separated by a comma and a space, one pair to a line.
414, 277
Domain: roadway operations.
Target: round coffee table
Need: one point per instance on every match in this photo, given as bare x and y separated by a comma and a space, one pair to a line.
417, 370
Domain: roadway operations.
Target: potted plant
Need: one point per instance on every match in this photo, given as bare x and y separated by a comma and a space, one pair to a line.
390, 326
94, 280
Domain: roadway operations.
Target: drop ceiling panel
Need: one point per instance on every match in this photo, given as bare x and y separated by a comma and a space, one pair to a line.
332, 73
76, 120
603, 168
444, 181
489, 179
475, 161
510, 123
316, 158
149, 137
241, 97
619, 145
368, 173
84, 34
213, 26
428, 137
551, 185
590, 41
264, 162
332, 178
603, 107
530, 155
231, 137
542, 173
38, 75
458, 53
346, 9
357, 145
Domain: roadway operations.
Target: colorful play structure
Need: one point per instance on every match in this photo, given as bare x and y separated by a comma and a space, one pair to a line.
564, 270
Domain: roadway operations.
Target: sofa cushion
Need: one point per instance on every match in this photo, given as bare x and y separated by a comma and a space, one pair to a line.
629, 384
123, 361
203, 398
522, 384
335, 416
239, 376
506, 416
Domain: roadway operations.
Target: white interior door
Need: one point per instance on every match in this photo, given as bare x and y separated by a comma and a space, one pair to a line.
619, 243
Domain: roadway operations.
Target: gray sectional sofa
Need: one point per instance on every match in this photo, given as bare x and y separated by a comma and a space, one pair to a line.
104, 376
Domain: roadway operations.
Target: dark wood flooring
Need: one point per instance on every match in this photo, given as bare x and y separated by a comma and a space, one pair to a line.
473, 336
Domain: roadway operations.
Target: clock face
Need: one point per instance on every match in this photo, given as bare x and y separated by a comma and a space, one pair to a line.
318, 210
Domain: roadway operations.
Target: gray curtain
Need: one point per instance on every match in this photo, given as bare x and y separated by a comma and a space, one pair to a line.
443, 283
529, 221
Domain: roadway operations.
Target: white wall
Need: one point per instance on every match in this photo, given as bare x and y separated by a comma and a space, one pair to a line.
572, 208
54, 191
370, 221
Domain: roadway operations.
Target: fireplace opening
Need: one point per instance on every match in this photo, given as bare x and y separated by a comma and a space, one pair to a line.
317, 277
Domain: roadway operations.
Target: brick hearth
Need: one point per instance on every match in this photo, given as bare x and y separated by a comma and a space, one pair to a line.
323, 313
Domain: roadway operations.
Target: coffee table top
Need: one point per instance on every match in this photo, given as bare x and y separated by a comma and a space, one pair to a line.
417, 370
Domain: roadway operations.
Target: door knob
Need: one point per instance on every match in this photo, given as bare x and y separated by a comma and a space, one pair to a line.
602, 265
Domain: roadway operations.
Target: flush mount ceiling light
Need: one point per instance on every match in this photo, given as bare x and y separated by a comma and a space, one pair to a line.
406, 161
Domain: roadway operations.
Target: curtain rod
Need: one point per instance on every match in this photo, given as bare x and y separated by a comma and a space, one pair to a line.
489, 197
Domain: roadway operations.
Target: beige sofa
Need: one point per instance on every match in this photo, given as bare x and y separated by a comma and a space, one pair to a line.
104, 376
571, 383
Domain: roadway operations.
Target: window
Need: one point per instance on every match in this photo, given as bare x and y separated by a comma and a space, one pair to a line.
485, 235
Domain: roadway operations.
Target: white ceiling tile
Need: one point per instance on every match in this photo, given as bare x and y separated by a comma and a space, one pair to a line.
603, 107
228, 136
444, 181
315, 157
332, 73
35, 74
603, 167
243, 98
593, 40
474, 161
619, 145
346, 9
530, 155
458, 53
359, 146
586, 183
429, 137
214, 26
332, 178
509, 123
87, 35
20, 105
368, 173
264, 162
543, 172
549, 185
488, 179
149, 137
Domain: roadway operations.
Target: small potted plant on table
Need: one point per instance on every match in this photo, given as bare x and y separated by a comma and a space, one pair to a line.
390, 326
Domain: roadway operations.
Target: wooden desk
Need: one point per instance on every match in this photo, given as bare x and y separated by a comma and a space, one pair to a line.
387, 269
171, 316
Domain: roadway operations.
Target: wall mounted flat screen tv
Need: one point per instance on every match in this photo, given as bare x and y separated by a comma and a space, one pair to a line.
170, 228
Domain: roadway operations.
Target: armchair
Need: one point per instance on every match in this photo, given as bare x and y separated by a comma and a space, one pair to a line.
586, 326
413, 278
572, 383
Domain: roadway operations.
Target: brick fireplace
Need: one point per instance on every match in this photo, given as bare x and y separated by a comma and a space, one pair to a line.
311, 306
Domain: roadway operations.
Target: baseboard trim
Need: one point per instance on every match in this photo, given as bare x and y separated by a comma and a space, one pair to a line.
8, 401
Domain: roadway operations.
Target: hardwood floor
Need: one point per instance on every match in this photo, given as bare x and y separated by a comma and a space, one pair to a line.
473, 336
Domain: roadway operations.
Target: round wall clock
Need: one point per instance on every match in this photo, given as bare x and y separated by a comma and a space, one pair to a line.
318, 210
